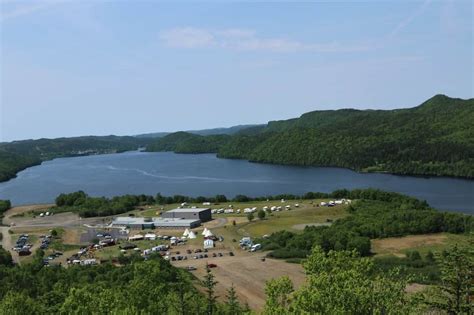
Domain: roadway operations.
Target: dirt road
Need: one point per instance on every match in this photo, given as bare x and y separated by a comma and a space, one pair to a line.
247, 273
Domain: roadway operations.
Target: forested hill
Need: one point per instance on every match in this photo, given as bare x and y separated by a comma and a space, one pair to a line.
184, 142
18, 155
435, 138
204, 132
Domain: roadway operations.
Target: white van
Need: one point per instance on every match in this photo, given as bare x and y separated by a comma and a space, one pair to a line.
255, 247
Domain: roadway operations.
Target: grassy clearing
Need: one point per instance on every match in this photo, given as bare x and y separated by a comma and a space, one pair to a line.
399, 246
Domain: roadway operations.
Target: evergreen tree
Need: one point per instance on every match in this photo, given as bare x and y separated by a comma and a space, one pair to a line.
233, 305
210, 285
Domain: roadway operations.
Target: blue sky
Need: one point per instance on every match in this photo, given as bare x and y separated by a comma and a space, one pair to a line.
71, 68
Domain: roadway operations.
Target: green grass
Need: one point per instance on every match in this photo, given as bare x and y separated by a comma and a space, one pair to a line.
286, 220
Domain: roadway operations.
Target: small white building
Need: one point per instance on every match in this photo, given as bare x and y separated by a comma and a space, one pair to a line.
208, 244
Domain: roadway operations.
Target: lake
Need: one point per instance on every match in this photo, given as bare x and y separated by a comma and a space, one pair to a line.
206, 175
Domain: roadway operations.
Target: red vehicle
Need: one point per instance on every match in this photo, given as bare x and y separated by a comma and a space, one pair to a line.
211, 265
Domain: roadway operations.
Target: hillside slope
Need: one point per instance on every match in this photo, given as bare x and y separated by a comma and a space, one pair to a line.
18, 155
435, 138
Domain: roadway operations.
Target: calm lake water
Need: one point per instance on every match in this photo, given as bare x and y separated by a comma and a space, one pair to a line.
206, 175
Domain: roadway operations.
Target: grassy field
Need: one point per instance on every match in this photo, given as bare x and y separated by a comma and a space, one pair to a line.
399, 246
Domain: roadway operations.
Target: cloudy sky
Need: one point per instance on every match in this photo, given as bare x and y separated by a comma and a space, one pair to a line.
72, 68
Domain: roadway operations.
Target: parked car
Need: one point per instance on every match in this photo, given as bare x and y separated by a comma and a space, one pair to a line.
211, 265
190, 268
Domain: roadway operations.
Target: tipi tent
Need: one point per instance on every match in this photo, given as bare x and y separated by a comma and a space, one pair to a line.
192, 235
208, 233
204, 231
186, 233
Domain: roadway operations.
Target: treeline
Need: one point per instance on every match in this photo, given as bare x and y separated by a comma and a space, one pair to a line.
135, 287
18, 155
184, 142
376, 214
87, 206
12, 163
4, 206
434, 138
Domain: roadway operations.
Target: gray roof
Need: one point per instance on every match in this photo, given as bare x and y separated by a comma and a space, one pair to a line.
155, 221
190, 210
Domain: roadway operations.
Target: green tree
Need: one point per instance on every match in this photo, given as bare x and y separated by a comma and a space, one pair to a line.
250, 216
210, 286
233, 305
457, 270
54, 233
340, 282
4, 205
15, 303
5, 257
278, 295
261, 214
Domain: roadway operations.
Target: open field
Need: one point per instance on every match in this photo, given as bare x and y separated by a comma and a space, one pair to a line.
399, 246
247, 273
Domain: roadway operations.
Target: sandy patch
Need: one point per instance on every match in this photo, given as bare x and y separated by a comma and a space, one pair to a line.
247, 273
395, 245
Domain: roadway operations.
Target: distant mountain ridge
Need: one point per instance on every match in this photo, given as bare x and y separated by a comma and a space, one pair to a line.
204, 132
435, 138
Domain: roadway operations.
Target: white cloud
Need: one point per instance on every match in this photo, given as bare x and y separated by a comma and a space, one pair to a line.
246, 40
14, 9
187, 37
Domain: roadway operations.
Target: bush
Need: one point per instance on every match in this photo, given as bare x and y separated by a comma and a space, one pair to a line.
4, 206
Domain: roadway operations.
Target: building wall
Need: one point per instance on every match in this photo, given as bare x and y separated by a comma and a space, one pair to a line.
204, 215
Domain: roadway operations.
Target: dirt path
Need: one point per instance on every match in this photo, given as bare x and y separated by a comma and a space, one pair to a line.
247, 273
7, 243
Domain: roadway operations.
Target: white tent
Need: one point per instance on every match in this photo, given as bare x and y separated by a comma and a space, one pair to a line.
204, 231
186, 233
208, 233
192, 235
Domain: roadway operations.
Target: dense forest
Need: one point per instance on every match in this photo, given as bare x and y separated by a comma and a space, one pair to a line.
183, 142
135, 287
18, 155
435, 138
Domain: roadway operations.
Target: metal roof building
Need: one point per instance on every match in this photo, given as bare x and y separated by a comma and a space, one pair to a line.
153, 223
202, 214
